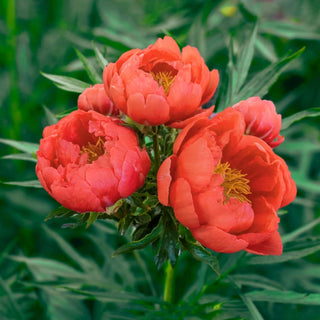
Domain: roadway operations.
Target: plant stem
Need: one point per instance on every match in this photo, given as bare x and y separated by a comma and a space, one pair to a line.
169, 284
156, 148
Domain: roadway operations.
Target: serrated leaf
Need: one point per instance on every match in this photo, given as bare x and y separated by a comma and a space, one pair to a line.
67, 83
292, 251
139, 244
51, 118
201, 254
259, 85
27, 147
100, 58
29, 183
20, 156
288, 121
89, 68
284, 297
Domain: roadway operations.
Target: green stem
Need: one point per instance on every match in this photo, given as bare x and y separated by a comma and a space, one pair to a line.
156, 148
169, 283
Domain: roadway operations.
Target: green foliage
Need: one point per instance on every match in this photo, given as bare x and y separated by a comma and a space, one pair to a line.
86, 270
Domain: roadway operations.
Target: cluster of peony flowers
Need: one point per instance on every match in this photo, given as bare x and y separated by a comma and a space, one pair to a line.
223, 179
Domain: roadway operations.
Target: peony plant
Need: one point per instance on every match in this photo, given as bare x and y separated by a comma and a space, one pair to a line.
143, 150
193, 174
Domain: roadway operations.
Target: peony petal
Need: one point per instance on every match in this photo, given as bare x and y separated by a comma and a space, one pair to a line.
211, 87
198, 114
164, 179
218, 240
196, 164
182, 203
271, 246
233, 217
136, 107
156, 110
184, 98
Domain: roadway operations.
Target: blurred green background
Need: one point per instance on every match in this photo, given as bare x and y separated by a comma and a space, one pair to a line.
49, 272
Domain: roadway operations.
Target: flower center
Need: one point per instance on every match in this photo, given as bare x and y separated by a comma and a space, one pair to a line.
94, 151
164, 79
235, 185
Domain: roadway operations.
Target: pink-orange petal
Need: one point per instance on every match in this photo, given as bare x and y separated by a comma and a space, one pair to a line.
271, 246
164, 179
182, 203
196, 164
218, 240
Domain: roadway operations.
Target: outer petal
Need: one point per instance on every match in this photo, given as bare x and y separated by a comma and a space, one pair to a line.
218, 240
271, 246
164, 179
198, 114
183, 98
182, 203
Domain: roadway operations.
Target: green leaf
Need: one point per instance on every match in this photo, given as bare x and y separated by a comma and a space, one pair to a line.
60, 212
168, 249
67, 83
93, 216
20, 156
292, 251
29, 183
256, 281
27, 147
89, 68
201, 254
304, 183
51, 118
288, 121
245, 58
294, 234
11, 298
100, 58
255, 314
46, 269
259, 85
142, 243
289, 30
284, 297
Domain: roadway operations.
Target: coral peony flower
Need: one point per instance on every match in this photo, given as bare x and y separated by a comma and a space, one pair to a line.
160, 84
225, 186
261, 120
88, 161
95, 98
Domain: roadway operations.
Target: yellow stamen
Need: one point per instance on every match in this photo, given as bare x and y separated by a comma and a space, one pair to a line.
235, 185
94, 151
164, 79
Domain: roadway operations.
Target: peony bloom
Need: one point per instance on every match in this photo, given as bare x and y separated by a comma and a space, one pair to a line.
95, 98
160, 84
261, 120
88, 161
225, 186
